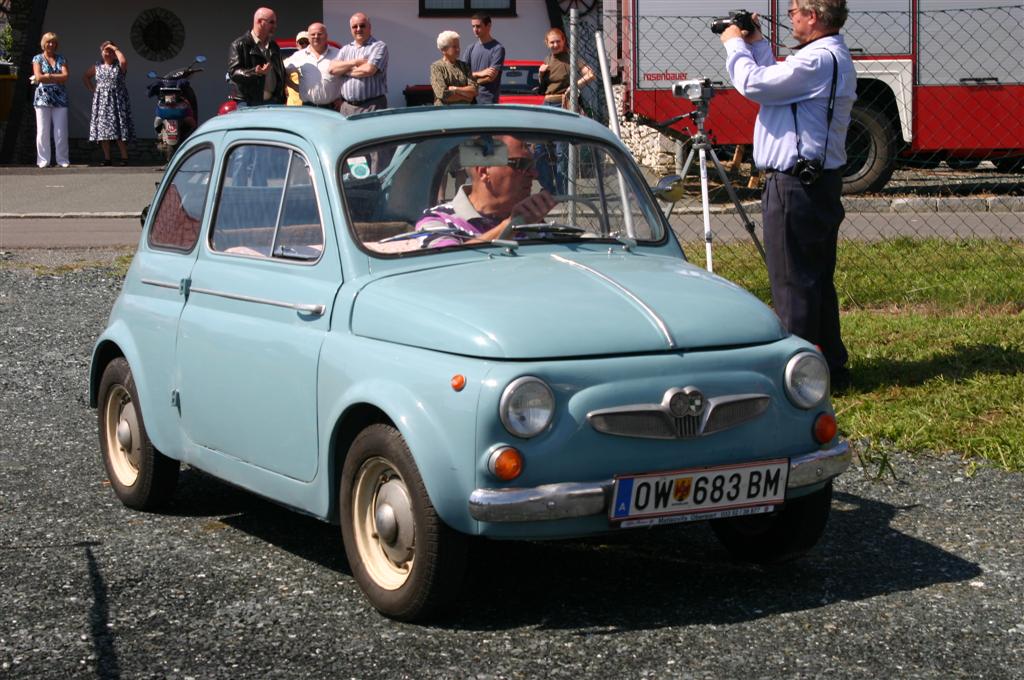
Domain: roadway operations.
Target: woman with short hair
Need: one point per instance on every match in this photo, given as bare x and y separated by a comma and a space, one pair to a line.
450, 78
49, 74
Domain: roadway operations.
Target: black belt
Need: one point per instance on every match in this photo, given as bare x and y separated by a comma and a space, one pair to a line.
320, 106
771, 171
363, 102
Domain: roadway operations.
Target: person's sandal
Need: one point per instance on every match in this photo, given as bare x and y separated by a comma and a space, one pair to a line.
105, 162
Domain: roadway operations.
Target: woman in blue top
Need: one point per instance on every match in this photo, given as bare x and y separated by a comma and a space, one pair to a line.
49, 73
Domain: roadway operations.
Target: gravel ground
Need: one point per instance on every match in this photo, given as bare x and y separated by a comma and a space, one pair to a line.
918, 576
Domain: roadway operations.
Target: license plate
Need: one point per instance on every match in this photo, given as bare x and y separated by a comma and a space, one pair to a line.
700, 493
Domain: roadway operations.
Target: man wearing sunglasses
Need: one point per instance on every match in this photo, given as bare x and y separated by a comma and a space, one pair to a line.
800, 141
496, 195
364, 65
254, 62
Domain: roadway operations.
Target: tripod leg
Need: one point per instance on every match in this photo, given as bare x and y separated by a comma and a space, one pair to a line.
706, 205
739, 207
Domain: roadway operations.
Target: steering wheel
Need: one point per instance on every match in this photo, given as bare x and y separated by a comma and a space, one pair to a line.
518, 221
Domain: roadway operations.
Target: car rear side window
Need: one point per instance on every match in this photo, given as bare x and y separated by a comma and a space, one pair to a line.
267, 206
180, 213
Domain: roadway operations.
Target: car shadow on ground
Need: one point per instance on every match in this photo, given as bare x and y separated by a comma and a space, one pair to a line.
641, 579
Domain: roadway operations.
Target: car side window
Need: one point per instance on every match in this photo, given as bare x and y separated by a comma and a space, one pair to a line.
267, 206
180, 213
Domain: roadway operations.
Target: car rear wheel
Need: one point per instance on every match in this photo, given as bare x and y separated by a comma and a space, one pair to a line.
142, 477
870, 152
407, 561
781, 536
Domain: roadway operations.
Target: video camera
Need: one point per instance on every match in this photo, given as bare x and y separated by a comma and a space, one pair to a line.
739, 17
696, 90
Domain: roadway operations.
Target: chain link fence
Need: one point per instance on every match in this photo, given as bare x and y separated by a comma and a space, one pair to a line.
934, 181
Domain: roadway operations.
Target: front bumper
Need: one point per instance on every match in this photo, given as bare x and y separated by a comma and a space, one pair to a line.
582, 499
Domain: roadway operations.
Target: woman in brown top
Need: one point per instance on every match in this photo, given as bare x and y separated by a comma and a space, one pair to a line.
450, 78
552, 160
554, 72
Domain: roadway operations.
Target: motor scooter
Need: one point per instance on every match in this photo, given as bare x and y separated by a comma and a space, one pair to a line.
176, 106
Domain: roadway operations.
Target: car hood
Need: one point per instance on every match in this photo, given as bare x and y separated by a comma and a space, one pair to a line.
562, 305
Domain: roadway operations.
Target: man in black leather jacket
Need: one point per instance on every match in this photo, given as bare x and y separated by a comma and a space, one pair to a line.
254, 62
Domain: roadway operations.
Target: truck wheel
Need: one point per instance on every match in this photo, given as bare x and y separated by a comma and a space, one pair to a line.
142, 477
870, 151
406, 560
781, 536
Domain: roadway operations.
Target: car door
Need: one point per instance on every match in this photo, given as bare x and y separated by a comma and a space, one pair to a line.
154, 293
259, 305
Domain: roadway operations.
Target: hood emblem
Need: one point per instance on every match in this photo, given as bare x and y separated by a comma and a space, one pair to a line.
688, 401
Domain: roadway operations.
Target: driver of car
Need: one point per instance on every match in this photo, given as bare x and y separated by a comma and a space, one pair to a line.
496, 195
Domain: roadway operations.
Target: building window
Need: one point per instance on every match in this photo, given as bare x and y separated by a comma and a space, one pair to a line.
465, 8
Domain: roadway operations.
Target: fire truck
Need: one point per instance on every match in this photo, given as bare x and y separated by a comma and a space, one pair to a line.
937, 80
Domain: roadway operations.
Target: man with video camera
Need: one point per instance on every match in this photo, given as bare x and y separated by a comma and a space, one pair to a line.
800, 141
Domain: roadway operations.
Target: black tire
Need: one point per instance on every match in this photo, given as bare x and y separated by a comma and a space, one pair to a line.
407, 561
963, 163
781, 536
1010, 165
141, 476
870, 151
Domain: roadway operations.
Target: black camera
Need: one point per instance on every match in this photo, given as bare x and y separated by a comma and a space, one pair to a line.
807, 171
739, 17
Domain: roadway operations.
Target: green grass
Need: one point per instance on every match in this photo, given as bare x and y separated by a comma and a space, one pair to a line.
930, 382
935, 331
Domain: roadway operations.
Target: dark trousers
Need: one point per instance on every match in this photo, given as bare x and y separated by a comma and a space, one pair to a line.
801, 228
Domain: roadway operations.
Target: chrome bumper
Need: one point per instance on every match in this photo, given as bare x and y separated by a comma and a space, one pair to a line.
582, 499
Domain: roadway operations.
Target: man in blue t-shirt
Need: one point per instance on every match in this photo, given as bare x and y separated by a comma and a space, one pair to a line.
485, 58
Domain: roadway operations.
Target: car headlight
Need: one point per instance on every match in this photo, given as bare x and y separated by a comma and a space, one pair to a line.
806, 379
526, 407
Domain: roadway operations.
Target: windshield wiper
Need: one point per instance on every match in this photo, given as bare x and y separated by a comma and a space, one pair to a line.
548, 228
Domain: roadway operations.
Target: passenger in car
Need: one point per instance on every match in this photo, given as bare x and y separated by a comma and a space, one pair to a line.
496, 195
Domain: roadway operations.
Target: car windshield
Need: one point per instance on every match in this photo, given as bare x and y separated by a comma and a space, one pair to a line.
436, 193
520, 79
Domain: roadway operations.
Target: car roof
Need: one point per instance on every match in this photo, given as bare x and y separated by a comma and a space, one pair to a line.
523, 62
334, 133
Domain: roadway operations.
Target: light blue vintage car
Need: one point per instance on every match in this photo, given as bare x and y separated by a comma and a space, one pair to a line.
432, 324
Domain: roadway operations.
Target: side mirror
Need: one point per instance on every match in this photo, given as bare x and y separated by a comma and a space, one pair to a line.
200, 59
142, 216
669, 189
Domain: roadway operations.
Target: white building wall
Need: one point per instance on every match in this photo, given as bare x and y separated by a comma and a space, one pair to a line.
209, 29
412, 40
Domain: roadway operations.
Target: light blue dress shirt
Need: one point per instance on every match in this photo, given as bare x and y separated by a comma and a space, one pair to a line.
804, 78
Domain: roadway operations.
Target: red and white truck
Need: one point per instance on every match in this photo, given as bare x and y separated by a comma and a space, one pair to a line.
936, 79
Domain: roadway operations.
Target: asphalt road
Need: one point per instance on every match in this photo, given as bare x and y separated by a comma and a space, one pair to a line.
920, 575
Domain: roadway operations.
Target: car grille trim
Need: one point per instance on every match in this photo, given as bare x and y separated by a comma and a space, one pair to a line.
655, 421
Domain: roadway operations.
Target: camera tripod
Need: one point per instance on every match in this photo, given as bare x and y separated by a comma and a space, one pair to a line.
701, 148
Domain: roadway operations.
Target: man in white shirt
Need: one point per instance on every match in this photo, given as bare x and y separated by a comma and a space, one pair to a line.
317, 87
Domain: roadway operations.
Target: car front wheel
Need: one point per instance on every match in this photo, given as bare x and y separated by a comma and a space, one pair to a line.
780, 536
141, 476
407, 561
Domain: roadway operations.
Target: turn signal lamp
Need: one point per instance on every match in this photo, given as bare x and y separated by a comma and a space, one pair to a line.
505, 463
824, 428
458, 382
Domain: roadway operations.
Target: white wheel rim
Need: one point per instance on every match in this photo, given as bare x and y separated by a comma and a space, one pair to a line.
383, 524
123, 441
